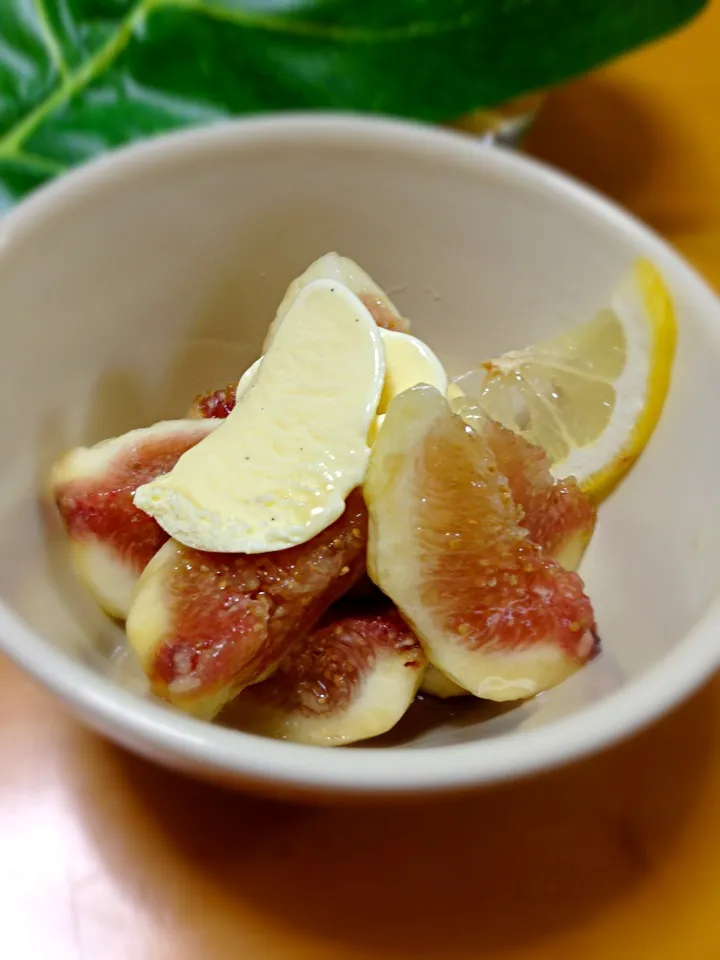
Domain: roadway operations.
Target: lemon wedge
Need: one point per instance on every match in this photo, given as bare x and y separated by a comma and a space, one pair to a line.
592, 396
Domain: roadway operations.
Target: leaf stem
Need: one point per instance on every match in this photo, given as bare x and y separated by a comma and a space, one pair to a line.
74, 82
51, 41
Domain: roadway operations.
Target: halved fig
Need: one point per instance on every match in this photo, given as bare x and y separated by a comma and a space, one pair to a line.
351, 678
206, 625
447, 546
112, 541
557, 515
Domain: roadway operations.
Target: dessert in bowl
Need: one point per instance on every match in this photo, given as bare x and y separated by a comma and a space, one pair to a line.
484, 253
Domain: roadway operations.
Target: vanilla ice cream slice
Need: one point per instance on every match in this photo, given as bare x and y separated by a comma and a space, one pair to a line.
277, 471
408, 361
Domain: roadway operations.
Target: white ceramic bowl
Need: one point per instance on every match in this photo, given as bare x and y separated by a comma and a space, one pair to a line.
119, 286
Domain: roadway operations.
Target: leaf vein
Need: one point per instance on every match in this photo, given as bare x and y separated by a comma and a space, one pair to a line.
321, 31
46, 164
51, 41
74, 82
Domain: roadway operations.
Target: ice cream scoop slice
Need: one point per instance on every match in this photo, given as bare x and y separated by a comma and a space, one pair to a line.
111, 540
345, 271
408, 361
278, 470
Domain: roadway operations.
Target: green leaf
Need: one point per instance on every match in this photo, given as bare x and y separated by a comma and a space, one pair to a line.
78, 77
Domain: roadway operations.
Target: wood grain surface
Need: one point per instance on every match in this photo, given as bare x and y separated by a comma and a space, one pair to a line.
105, 857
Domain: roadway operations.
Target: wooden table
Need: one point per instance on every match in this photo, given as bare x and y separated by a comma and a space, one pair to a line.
103, 857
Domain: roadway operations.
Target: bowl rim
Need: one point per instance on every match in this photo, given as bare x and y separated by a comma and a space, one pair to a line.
156, 729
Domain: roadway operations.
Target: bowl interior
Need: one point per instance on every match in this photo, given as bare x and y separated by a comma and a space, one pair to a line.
154, 276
